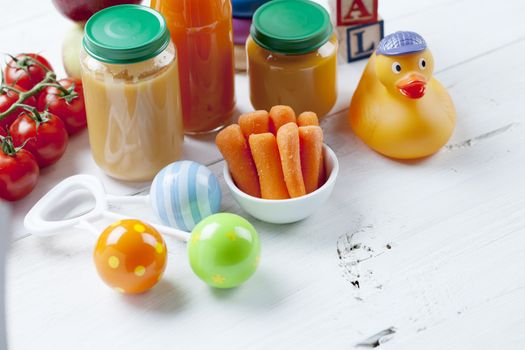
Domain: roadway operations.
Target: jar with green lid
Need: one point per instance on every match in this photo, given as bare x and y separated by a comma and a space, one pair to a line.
292, 57
131, 86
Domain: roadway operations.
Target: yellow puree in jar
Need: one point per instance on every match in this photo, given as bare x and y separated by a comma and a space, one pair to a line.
134, 117
305, 82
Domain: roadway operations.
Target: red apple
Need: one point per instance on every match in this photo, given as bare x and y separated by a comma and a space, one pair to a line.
81, 10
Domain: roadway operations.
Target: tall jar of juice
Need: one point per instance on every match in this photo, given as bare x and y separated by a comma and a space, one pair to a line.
202, 33
131, 87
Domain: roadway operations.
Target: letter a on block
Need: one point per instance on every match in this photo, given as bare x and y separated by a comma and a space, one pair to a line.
351, 12
357, 10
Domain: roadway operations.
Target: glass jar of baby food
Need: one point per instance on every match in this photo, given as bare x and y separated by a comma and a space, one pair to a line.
132, 94
292, 57
202, 33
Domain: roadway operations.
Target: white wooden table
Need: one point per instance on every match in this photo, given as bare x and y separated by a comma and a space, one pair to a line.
437, 246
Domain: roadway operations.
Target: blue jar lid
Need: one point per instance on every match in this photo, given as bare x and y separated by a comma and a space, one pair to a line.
246, 8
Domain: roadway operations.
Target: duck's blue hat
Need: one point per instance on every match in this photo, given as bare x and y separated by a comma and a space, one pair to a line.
401, 43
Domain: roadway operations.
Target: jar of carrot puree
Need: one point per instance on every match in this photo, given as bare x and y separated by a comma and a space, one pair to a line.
132, 94
292, 57
202, 33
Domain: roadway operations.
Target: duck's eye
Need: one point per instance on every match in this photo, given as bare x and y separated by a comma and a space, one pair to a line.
422, 64
396, 68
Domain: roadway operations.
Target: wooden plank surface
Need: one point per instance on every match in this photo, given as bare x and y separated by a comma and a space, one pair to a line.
439, 241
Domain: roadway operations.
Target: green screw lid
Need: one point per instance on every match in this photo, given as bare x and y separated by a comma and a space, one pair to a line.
291, 26
125, 34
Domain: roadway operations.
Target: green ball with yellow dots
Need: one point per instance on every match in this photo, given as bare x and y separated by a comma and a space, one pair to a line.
224, 250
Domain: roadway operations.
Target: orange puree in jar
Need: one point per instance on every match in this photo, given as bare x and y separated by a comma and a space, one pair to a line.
132, 94
292, 57
202, 33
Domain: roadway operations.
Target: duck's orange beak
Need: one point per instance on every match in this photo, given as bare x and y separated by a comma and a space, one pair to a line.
413, 86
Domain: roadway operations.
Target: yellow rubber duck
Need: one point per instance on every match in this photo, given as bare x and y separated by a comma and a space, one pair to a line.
399, 109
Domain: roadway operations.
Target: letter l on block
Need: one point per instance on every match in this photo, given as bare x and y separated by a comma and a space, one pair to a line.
361, 41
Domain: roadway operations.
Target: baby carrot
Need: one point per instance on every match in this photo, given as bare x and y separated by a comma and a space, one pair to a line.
289, 150
280, 115
257, 122
310, 118
268, 163
307, 118
311, 142
235, 150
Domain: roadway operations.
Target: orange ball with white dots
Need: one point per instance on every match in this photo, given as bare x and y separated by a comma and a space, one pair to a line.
130, 256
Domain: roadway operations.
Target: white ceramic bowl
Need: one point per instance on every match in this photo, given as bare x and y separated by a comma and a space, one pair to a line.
284, 211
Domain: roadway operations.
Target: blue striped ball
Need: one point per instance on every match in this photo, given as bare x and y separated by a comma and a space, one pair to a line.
184, 193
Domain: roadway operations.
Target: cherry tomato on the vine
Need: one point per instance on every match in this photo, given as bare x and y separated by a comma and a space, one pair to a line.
44, 135
69, 106
9, 97
26, 70
18, 171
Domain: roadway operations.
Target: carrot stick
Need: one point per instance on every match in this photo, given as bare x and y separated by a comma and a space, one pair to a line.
310, 118
257, 122
235, 150
268, 163
289, 150
311, 142
307, 118
280, 115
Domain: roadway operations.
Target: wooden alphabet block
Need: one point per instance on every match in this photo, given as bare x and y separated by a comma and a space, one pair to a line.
358, 42
353, 12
